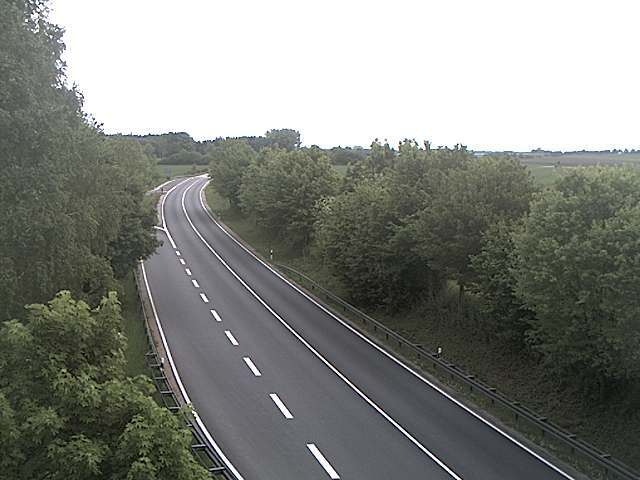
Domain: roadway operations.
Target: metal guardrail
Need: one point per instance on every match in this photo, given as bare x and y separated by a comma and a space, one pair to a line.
605, 465
200, 448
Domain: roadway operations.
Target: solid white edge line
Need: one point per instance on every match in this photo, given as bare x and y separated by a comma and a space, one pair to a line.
161, 185
213, 443
164, 222
323, 461
340, 375
380, 349
252, 366
231, 338
204, 298
215, 315
187, 271
195, 283
281, 406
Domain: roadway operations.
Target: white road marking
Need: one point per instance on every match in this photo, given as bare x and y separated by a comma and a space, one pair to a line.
361, 336
187, 271
323, 461
215, 315
182, 261
200, 423
164, 222
252, 367
204, 298
231, 338
195, 283
161, 185
158, 228
283, 408
329, 365
178, 253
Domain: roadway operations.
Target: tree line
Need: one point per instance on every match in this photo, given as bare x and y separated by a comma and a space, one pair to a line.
73, 221
179, 148
555, 271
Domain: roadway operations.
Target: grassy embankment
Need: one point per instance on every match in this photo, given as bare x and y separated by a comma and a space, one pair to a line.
133, 326
611, 425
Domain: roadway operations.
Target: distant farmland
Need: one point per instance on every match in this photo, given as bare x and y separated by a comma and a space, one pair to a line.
547, 168
574, 159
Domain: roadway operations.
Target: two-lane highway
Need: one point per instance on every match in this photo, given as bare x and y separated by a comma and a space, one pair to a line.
289, 391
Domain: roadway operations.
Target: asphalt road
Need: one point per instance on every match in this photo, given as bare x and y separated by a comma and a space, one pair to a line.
290, 392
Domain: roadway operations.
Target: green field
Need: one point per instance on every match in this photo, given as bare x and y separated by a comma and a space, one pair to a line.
170, 171
575, 159
545, 175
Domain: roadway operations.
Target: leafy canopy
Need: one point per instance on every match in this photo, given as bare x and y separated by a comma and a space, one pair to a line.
579, 265
68, 412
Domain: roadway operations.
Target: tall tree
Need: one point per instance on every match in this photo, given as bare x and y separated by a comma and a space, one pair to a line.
65, 188
356, 236
495, 284
281, 190
286, 138
229, 160
579, 265
448, 231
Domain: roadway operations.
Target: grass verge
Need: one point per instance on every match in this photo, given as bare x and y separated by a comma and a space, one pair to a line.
133, 326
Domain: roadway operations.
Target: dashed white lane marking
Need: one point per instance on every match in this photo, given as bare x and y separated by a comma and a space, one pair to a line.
195, 283
187, 271
323, 461
215, 315
231, 338
198, 420
182, 261
204, 298
178, 253
252, 367
340, 375
283, 408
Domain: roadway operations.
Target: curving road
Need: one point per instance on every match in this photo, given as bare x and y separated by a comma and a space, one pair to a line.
290, 392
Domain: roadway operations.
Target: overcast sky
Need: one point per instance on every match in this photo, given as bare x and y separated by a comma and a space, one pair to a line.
489, 74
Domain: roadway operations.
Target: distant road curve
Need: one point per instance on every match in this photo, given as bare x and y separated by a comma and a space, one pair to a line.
288, 390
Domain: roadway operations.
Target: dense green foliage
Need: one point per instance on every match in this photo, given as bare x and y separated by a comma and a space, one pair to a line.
286, 138
347, 155
229, 160
68, 412
282, 188
494, 283
466, 201
578, 270
179, 148
560, 281
71, 205
74, 218
356, 236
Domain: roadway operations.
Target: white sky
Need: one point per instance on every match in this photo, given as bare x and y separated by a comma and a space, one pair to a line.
490, 74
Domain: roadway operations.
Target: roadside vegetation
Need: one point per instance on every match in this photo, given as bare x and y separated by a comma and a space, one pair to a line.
533, 289
74, 222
